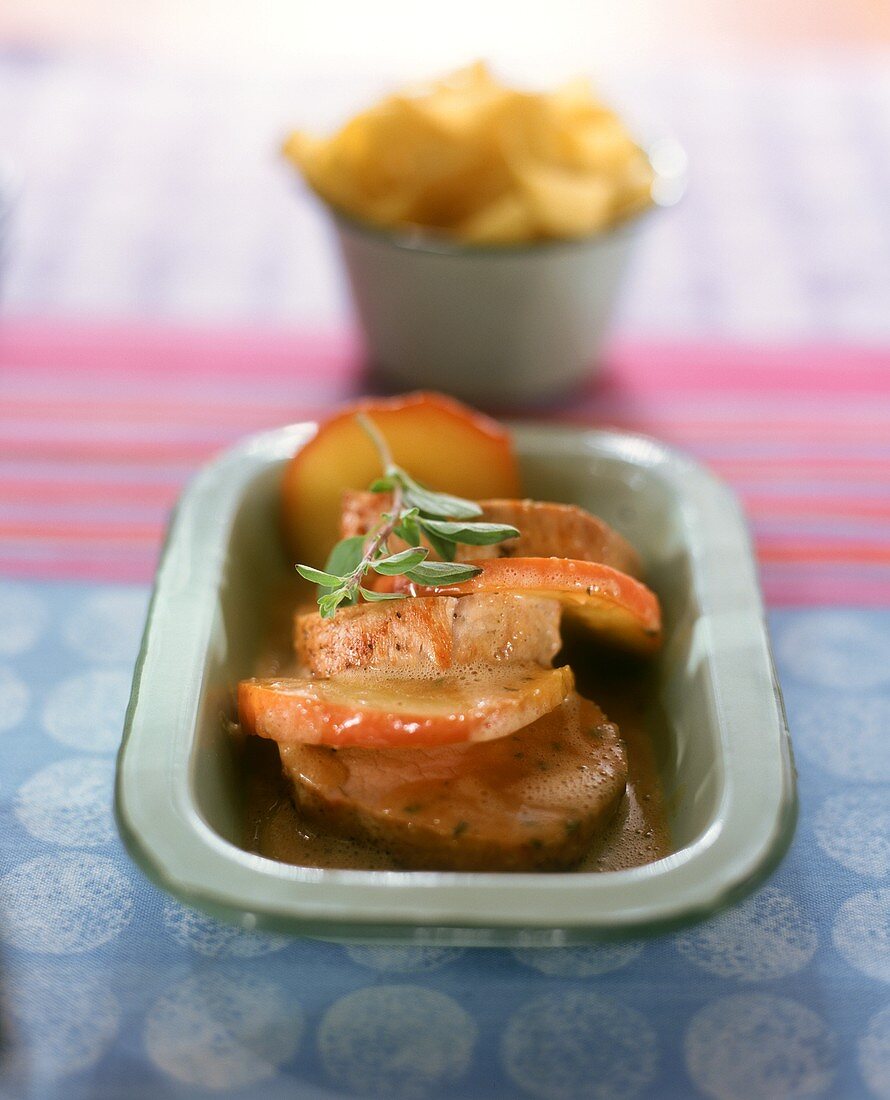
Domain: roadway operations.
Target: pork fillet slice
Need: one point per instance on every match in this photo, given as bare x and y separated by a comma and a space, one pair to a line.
532, 801
429, 636
546, 530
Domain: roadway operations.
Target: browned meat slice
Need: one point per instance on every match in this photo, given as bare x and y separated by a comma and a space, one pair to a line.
531, 801
429, 635
546, 531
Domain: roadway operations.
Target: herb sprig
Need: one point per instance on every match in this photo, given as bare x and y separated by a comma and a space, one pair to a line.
414, 514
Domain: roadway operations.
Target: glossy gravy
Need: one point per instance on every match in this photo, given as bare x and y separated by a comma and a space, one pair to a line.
639, 834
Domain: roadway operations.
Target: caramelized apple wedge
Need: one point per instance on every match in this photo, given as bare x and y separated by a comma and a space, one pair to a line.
445, 446
534, 800
545, 530
610, 604
475, 704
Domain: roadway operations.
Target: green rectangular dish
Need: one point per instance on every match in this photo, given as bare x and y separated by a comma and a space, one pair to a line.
727, 768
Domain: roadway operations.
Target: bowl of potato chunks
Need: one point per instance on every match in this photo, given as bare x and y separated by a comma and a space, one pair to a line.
485, 229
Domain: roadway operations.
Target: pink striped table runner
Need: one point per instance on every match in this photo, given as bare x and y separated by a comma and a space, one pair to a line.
101, 426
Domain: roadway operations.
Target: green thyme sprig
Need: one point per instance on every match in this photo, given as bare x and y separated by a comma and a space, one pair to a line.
416, 513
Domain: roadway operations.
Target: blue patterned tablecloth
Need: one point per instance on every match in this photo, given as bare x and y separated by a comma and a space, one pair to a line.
112, 989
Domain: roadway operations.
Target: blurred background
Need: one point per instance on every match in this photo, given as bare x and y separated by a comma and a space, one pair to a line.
143, 141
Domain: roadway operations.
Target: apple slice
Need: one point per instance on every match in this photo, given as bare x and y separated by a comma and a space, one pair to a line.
609, 603
441, 443
473, 705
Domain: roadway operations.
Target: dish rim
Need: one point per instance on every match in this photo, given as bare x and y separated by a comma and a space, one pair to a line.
170, 841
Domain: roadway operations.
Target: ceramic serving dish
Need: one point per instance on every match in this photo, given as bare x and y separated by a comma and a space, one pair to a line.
726, 763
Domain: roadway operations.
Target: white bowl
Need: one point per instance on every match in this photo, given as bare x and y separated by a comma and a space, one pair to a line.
491, 324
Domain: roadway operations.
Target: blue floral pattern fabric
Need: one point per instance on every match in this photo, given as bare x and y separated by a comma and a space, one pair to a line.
111, 988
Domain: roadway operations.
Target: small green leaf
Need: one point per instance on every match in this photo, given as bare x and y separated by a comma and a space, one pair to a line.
443, 505
401, 562
408, 529
382, 485
442, 572
379, 597
471, 534
345, 556
445, 549
440, 504
329, 603
318, 576
409, 532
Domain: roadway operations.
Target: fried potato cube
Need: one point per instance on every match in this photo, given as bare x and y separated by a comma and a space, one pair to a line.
470, 157
507, 219
566, 204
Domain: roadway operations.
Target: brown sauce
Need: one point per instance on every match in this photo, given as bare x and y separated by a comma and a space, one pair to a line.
639, 833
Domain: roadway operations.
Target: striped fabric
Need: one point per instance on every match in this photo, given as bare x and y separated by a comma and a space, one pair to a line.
102, 426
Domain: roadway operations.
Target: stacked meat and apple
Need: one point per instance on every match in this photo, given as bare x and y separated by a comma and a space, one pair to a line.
435, 725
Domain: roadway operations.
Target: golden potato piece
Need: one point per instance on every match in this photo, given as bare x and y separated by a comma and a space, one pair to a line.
503, 221
471, 158
567, 204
